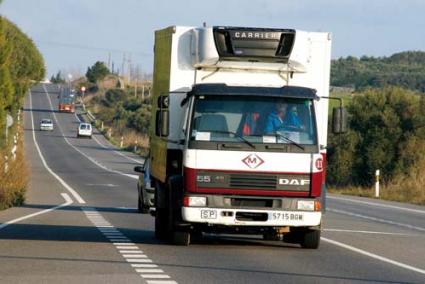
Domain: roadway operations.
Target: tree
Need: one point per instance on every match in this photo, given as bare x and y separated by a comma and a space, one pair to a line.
97, 72
58, 79
383, 135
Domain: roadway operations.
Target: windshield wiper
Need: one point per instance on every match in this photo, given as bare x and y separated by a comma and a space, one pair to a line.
277, 134
233, 133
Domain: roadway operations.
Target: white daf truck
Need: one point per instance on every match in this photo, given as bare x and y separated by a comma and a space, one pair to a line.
239, 131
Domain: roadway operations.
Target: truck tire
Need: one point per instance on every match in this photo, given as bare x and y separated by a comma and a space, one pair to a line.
310, 239
181, 238
161, 224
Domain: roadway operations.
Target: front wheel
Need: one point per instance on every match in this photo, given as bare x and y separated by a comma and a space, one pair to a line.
181, 238
161, 224
310, 239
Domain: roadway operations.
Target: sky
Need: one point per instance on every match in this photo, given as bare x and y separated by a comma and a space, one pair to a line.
74, 34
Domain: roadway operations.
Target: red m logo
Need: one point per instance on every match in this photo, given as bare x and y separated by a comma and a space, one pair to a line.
253, 161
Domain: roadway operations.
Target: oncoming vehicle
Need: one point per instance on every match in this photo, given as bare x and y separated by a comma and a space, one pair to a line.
238, 135
84, 130
46, 124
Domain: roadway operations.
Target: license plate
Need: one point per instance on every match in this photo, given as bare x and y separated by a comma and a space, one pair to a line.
287, 216
208, 214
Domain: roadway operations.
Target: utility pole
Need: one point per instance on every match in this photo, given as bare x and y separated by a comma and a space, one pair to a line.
129, 69
122, 67
109, 61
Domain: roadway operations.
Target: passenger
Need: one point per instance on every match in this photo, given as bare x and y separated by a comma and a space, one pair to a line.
250, 122
282, 119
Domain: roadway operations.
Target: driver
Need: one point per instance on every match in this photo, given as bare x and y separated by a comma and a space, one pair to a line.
281, 118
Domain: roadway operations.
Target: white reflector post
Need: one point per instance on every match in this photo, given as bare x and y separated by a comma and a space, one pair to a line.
377, 183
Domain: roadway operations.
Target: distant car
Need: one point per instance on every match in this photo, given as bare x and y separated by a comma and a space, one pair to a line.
146, 192
46, 124
84, 130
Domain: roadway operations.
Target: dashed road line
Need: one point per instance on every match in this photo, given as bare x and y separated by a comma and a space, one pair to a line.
161, 282
149, 270
132, 254
155, 276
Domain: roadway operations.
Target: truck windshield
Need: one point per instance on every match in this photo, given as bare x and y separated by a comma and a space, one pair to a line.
265, 120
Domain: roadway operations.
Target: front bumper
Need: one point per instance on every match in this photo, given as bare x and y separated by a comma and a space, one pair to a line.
229, 217
46, 127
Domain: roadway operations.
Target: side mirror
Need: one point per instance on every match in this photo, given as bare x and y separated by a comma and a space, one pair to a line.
163, 102
162, 123
339, 120
139, 169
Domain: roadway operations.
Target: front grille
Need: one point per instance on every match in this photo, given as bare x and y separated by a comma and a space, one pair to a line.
248, 181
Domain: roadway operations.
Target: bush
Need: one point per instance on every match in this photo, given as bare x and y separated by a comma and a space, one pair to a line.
383, 135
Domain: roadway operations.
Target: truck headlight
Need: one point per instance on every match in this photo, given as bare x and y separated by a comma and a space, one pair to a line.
305, 205
195, 201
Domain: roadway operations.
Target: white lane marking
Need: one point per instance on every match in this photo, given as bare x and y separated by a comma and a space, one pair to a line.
149, 270
129, 251
147, 265
138, 260
128, 244
81, 152
127, 247
368, 232
375, 256
144, 265
377, 204
68, 201
134, 255
377, 219
67, 187
155, 276
161, 282
102, 184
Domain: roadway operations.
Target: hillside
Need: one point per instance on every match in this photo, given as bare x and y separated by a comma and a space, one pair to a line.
404, 69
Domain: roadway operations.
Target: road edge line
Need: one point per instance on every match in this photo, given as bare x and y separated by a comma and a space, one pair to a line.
377, 204
374, 256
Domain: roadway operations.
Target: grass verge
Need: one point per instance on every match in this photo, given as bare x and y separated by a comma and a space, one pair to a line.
14, 180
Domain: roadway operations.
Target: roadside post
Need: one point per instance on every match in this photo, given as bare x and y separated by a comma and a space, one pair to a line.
83, 90
377, 173
122, 141
9, 123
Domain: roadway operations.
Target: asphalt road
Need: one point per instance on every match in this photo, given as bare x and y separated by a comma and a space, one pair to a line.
79, 224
